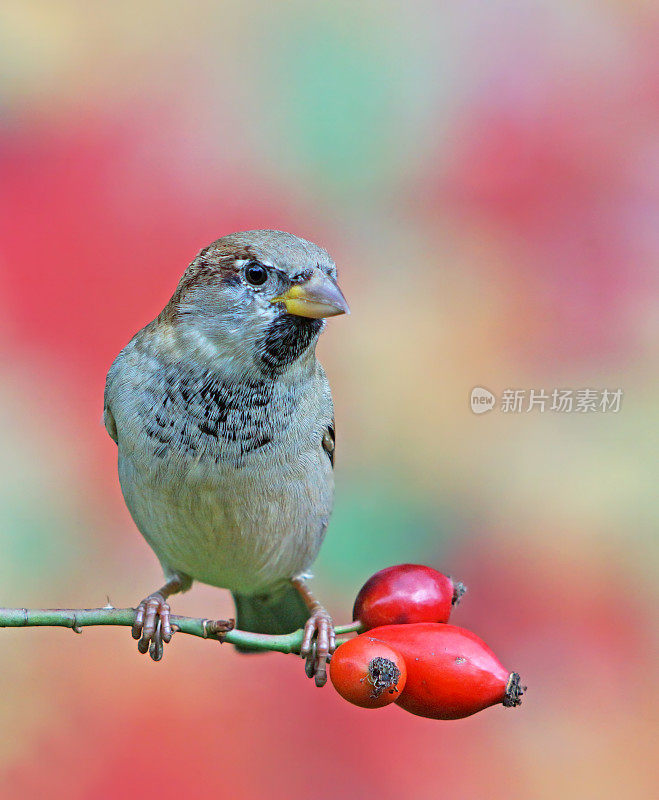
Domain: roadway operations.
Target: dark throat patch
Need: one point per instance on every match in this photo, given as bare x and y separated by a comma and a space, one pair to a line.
285, 340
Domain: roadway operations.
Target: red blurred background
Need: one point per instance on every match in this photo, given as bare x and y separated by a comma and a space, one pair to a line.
485, 176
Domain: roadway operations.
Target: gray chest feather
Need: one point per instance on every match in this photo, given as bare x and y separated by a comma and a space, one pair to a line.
230, 482
194, 413
189, 413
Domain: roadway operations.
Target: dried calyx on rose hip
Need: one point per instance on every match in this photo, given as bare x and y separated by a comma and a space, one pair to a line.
368, 673
451, 673
405, 594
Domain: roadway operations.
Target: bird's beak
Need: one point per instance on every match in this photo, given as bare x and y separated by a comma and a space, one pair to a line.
317, 297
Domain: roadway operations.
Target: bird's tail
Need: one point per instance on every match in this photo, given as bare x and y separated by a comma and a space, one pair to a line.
282, 612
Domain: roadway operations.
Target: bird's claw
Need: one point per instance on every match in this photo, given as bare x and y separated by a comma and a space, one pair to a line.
318, 644
152, 626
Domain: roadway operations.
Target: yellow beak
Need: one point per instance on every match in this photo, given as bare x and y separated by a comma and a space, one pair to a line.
318, 297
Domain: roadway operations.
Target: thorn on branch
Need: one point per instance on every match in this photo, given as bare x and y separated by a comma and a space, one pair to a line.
218, 628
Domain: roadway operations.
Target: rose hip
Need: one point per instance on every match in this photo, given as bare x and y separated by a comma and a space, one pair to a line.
451, 673
367, 672
405, 594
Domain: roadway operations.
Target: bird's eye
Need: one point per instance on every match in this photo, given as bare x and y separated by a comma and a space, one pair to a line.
256, 274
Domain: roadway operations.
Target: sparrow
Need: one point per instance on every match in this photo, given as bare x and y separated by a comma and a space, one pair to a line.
224, 423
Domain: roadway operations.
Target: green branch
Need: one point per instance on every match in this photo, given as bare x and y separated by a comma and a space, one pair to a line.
79, 618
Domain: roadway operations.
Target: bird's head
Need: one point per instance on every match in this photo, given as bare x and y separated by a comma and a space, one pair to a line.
257, 300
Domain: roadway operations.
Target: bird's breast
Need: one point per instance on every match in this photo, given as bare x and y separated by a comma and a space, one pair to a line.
227, 482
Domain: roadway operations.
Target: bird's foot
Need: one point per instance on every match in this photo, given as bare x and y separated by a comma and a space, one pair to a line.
318, 644
152, 625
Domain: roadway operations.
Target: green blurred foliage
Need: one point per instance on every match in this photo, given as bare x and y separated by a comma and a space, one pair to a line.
377, 523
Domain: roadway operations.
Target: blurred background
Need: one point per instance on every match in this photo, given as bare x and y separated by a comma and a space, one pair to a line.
486, 177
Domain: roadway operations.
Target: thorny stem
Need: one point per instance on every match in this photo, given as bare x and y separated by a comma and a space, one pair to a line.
79, 618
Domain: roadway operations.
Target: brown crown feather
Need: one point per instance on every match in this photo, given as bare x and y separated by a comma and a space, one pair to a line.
214, 263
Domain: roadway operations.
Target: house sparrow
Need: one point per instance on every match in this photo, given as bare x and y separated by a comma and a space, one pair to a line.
224, 423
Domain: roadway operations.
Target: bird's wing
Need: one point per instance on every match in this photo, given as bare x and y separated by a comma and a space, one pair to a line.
110, 424
108, 416
329, 441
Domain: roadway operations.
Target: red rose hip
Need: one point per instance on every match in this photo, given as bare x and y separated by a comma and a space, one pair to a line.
451, 673
405, 594
368, 673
